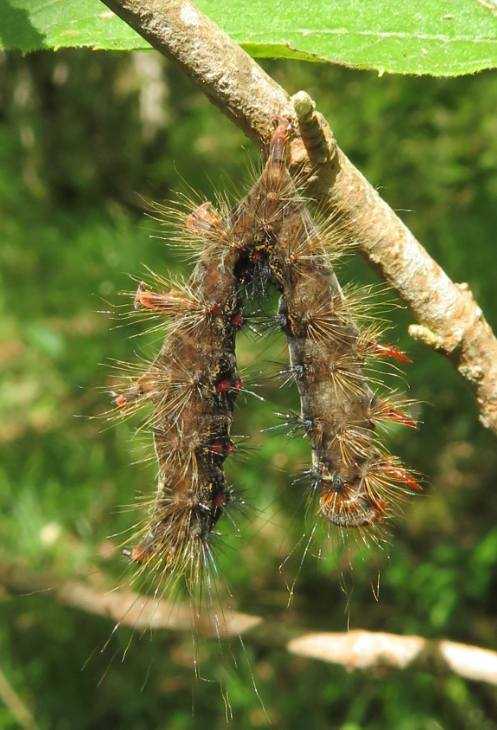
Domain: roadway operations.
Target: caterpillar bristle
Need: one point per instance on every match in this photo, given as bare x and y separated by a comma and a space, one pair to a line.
291, 424
351, 509
338, 238
321, 325
390, 472
392, 408
363, 303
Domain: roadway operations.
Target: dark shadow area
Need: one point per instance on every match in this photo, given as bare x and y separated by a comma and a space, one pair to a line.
16, 29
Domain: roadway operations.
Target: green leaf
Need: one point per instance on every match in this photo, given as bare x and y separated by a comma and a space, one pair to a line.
438, 37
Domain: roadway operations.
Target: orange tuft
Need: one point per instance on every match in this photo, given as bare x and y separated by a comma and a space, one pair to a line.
399, 417
399, 474
120, 401
394, 353
202, 219
170, 301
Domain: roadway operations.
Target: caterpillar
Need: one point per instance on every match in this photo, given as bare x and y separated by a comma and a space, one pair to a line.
193, 383
191, 386
359, 484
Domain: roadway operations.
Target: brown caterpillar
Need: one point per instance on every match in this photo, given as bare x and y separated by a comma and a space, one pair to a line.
359, 484
192, 384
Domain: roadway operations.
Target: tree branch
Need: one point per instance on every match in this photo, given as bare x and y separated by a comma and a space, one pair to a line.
15, 704
450, 320
354, 650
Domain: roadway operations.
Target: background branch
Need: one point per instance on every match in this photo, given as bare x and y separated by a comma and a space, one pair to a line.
354, 650
15, 704
449, 319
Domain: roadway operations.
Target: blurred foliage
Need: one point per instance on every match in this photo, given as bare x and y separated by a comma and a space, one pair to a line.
82, 137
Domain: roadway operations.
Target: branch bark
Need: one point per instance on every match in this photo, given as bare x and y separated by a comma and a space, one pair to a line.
449, 319
354, 650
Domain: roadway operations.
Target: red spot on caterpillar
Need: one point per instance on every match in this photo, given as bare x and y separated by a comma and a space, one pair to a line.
237, 320
120, 401
217, 447
222, 447
393, 352
219, 500
225, 385
213, 309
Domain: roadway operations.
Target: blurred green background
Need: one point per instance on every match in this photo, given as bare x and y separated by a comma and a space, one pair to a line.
82, 137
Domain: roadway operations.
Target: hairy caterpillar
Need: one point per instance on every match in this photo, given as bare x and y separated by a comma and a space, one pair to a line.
192, 386
193, 382
358, 482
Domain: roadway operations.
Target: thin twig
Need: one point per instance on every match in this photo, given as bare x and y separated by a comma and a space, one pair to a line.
15, 704
354, 650
368, 649
449, 319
